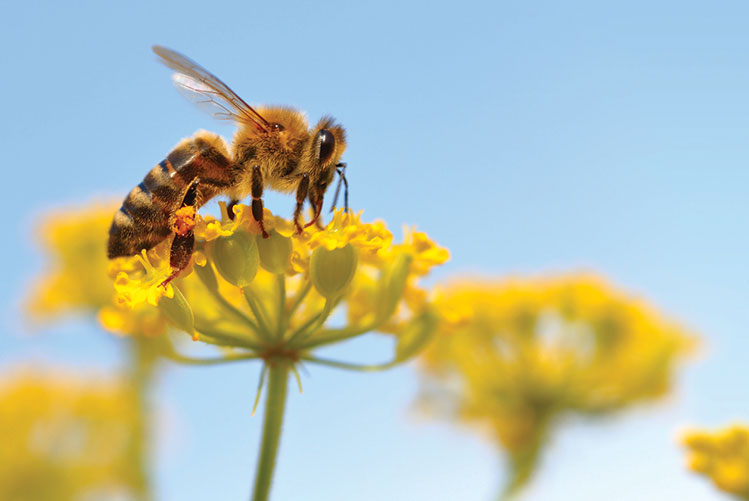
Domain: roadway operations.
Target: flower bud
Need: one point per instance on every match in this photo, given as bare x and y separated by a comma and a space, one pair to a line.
177, 310
415, 336
392, 285
331, 271
274, 252
236, 258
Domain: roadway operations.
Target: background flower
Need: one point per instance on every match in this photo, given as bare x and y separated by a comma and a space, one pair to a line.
68, 437
514, 357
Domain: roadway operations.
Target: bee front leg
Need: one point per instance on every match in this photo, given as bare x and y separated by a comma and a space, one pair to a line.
315, 198
301, 196
257, 201
341, 170
184, 236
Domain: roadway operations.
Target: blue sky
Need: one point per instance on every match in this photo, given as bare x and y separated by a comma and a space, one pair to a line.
527, 137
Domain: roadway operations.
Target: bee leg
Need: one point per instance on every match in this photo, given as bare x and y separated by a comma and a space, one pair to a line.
317, 205
257, 201
230, 208
301, 196
341, 170
184, 236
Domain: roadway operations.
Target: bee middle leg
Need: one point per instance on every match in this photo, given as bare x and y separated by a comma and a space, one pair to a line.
230, 208
184, 236
257, 200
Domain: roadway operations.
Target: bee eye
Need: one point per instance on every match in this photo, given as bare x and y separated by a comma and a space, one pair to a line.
276, 127
326, 140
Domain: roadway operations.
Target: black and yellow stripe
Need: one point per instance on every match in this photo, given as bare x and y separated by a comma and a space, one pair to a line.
143, 220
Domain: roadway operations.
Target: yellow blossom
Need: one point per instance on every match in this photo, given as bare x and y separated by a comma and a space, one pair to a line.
722, 456
146, 285
517, 355
63, 438
233, 296
79, 275
75, 279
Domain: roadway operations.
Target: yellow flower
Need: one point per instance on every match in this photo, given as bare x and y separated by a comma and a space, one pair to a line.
79, 275
524, 352
76, 279
63, 438
266, 295
137, 288
722, 456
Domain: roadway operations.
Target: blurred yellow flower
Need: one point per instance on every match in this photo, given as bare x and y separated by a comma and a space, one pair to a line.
78, 277
722, 456
66, 439
75, 240
515, 356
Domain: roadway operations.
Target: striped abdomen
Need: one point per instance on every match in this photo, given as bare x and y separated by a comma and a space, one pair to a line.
144, 219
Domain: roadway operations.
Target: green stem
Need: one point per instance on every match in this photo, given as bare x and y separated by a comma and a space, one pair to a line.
300, 295
281, 325
312, 325
258, 310
176, 357
349, 366
236, 339
226, 304
275, 403
337, 335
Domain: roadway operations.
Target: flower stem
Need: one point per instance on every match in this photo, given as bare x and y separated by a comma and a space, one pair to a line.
281, 324
141, 377
275, 403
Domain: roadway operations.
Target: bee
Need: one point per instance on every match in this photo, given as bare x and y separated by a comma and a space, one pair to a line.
273, 147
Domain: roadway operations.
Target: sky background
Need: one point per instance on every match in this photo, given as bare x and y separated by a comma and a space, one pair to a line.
527, 137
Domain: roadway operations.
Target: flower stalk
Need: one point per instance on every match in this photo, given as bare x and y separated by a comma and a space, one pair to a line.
275, 405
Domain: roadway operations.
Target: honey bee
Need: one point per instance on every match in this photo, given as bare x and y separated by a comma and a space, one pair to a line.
273, 147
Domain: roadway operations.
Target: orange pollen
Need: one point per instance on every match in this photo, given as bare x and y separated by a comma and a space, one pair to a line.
184, 220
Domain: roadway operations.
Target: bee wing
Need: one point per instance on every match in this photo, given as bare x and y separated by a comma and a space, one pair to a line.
205, 89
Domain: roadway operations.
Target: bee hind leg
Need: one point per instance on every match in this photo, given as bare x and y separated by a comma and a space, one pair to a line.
257, 200
184, 236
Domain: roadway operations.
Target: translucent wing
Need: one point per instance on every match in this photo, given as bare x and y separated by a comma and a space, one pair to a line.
205, 89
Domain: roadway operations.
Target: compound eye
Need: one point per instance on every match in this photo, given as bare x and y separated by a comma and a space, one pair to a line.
276, 127
326, 140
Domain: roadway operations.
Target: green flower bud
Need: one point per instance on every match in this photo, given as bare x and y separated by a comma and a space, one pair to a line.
177, 310
274, 252
415, 336
331, 271
236, 258
392, 285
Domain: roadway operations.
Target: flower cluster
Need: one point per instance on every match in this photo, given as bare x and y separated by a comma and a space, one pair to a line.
66, 439
515, 356
276, 296
722, 456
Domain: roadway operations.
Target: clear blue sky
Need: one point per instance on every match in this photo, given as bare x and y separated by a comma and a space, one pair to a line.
524, 136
